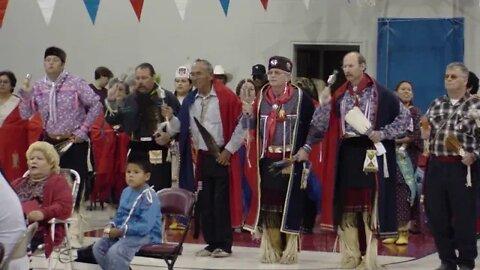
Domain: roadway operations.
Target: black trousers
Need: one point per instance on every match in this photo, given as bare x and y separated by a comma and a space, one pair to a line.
216, 226
451, 210
161, 176
76, 158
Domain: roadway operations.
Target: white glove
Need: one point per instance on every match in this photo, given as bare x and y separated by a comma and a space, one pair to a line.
402, 151
475, 114
331, 79
325, 96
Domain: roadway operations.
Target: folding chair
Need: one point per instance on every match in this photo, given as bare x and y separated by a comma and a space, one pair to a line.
20, 248
73, 179
173, 202
2, 252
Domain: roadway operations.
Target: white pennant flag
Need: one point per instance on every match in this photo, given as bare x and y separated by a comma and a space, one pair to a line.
181, 7
307, 3
47, 7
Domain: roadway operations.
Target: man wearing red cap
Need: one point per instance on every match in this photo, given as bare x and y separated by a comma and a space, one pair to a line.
278, 127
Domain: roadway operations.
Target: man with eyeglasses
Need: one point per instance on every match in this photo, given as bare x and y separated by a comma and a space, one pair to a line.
360, 161
451, 178
278, 125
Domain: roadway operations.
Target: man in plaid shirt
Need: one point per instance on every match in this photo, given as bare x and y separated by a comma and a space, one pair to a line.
450, 200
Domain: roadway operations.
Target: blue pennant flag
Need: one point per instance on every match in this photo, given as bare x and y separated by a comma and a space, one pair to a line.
225, 4
92, 8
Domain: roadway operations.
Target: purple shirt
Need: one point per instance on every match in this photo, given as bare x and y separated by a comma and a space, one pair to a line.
64, 110
368, 106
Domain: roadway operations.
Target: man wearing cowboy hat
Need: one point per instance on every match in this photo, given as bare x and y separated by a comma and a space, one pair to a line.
220, 74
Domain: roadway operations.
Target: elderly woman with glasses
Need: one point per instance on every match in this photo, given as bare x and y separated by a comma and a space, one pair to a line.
15, 132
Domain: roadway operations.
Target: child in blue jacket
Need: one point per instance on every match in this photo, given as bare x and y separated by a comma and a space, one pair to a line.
137, 222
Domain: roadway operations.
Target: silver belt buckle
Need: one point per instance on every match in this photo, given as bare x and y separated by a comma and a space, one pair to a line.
145, 139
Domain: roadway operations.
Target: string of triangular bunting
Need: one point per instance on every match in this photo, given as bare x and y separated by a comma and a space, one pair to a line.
47, 8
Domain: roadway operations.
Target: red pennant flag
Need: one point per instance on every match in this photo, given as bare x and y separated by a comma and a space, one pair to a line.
264, 3
3, 8
137, 7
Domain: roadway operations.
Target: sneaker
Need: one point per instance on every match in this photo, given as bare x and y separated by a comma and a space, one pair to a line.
203, 253
220, 253
445, 266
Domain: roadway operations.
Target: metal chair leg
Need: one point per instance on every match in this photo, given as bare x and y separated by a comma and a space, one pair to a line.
69, 247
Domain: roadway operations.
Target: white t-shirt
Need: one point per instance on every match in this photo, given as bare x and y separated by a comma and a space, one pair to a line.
12, 223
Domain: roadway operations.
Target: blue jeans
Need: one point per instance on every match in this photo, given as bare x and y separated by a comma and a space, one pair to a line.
117, 254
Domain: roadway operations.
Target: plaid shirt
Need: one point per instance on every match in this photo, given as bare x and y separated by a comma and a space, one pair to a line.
448, 119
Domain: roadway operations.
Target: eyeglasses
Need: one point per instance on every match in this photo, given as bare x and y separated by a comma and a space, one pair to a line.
450, 76
5, 81
276, 72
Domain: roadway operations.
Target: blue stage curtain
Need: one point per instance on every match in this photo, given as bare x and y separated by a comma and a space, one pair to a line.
418, 50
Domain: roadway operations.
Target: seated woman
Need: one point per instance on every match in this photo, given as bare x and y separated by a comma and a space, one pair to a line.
44, 193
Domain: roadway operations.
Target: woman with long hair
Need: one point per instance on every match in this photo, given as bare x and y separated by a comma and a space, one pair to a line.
408, 150
15, 133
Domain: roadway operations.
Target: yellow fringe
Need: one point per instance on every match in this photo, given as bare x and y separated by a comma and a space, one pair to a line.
348, 242
371, 254
290, 254
271, 252
164, 234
